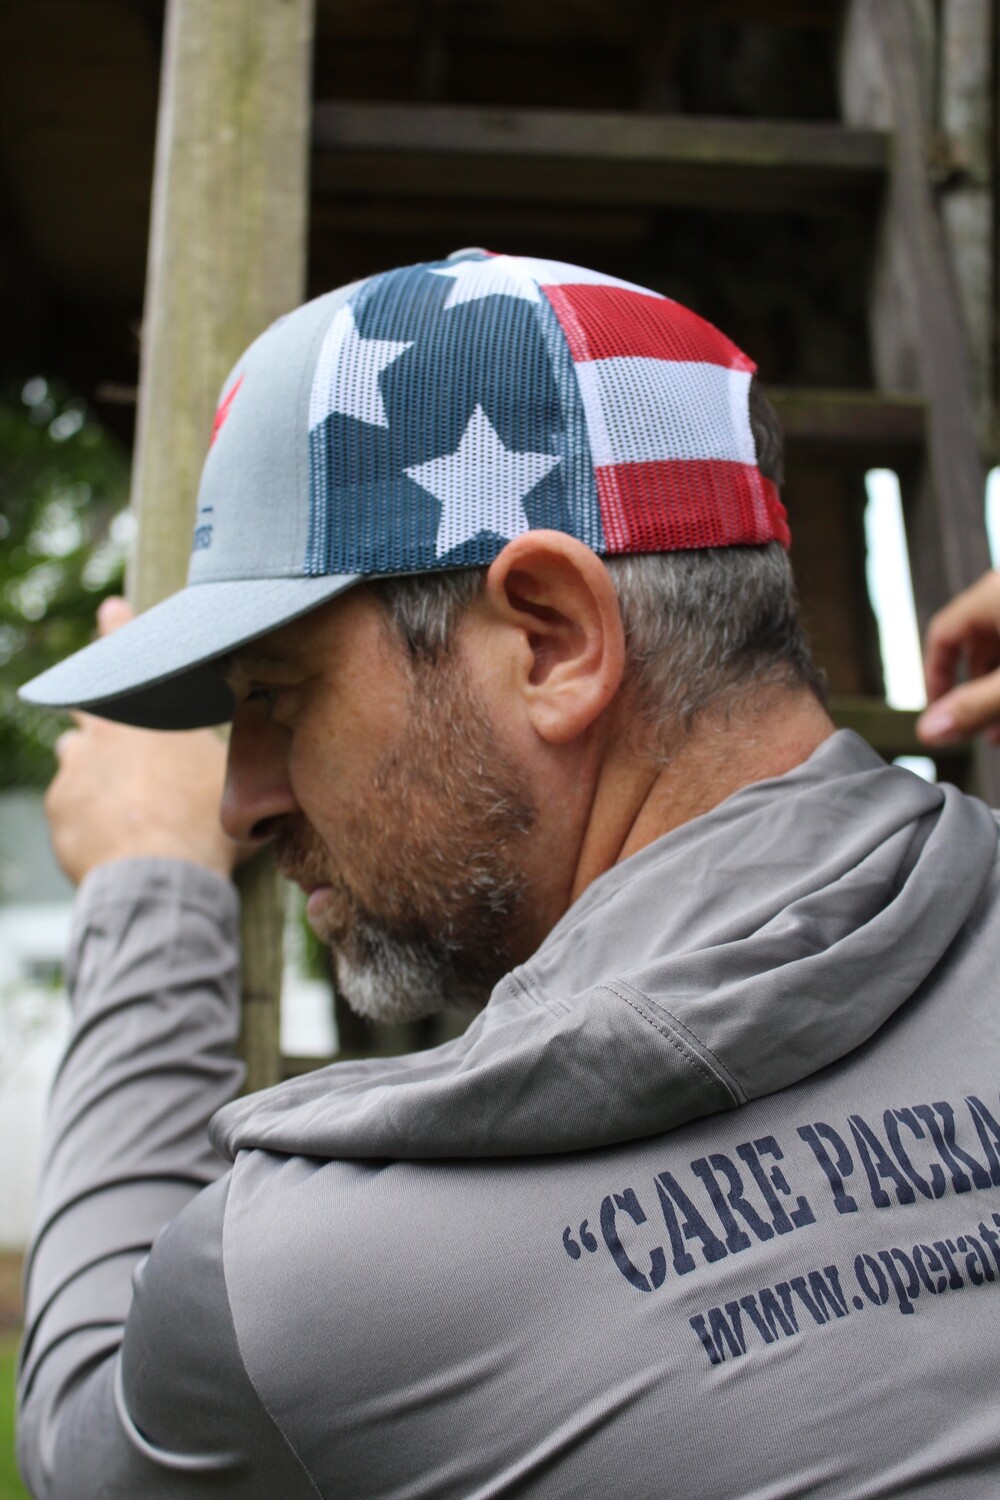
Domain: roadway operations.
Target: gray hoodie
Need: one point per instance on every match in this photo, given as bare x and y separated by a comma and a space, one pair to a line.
705, 1203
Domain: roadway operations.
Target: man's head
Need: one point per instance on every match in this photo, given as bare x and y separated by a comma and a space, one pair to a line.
510, 529
444, 763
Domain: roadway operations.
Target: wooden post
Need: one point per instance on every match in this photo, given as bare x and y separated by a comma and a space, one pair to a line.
226, 257
918, 338
965, 169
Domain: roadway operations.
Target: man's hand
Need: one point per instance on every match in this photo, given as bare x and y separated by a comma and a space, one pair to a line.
966, 631
120, 792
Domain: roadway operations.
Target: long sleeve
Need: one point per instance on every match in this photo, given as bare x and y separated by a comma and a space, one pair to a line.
131, 1380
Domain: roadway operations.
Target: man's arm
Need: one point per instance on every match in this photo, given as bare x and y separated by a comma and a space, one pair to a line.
142, 1391
131, 1381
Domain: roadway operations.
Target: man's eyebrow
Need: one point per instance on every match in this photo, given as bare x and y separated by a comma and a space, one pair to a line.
247, 659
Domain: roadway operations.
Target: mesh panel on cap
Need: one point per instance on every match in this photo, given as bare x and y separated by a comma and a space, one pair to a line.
456, 404
657, 507
437, 431
602, 321
642, 409
666, 397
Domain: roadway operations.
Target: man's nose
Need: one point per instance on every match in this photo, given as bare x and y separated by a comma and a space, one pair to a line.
257, 793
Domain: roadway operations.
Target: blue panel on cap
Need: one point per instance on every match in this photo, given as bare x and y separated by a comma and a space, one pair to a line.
493, 354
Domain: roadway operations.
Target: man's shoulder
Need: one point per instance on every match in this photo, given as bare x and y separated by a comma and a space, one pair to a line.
185, 1386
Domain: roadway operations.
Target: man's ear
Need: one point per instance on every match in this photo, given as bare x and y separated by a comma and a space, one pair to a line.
559, 597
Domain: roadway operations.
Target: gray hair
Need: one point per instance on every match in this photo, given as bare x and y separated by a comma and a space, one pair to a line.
709, 628
706, 627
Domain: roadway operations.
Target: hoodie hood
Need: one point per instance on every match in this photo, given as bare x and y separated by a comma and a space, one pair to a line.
731, 958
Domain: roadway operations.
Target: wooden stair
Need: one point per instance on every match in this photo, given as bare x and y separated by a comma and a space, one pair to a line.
595, 157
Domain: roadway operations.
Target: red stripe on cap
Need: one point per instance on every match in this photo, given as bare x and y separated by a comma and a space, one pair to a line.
223, 411
606, 322
675, 505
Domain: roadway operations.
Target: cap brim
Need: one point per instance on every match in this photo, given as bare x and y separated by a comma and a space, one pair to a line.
156, 672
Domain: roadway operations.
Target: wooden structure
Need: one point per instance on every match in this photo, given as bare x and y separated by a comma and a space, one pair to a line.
226, 257
816, 176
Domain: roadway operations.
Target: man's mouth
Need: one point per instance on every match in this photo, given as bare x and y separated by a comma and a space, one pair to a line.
316, 896
315, 891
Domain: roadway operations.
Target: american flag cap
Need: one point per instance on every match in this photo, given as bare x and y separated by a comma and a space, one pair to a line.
418, 421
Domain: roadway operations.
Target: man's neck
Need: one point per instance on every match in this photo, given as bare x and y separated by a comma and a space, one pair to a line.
640, 799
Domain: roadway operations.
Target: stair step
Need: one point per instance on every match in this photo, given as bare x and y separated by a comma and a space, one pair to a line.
872, 428
598, 157
892, 731
526, 21
294, 1066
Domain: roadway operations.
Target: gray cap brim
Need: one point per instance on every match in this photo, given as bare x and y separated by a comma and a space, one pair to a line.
157, 673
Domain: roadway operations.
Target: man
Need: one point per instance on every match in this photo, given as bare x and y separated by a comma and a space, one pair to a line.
489, 573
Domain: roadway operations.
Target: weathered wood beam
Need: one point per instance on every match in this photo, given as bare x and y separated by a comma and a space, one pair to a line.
226, 257
496, 223
529, 23
918, 340
893, 731
599, 157
865, 426
917, 333
964, 166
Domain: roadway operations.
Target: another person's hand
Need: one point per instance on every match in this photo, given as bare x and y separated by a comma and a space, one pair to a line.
966, 633
120, 792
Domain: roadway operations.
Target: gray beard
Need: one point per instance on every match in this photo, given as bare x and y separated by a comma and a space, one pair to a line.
389, 979
443, 958
449, 883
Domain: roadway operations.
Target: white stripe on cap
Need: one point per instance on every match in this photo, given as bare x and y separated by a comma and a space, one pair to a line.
561, 273
640, 410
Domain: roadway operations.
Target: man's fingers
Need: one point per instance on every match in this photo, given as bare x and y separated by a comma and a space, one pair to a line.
112, 614
64, 743
965, 633
973, 615
941, 663
962, 712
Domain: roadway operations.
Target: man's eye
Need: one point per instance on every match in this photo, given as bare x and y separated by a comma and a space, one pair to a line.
267, 696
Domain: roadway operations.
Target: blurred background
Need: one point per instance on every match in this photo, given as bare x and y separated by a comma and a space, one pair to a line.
815, 176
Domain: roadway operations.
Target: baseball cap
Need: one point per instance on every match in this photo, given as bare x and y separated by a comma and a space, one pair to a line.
417, 421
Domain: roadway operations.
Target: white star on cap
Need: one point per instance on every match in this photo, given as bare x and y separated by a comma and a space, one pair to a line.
347, 372
498, 276
481, 485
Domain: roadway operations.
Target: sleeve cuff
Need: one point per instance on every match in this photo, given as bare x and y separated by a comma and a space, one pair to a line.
179, 882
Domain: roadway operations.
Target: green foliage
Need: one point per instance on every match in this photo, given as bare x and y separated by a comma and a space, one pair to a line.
11, 1487
63, 534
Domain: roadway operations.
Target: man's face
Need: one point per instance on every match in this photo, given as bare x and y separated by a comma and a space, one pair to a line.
390, 799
